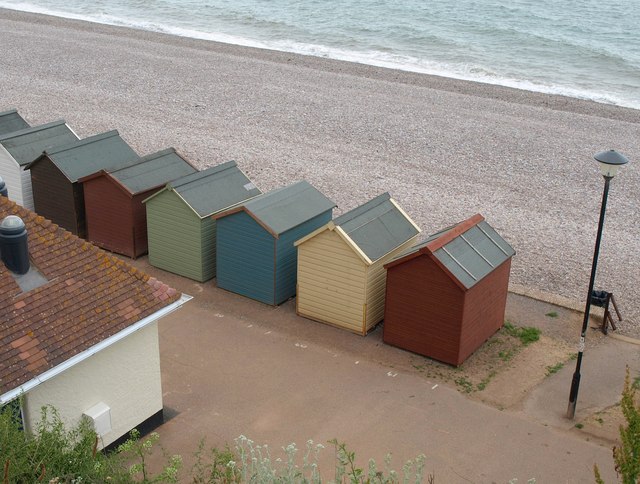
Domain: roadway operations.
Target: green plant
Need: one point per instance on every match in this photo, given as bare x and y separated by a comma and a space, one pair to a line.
554, 368
578, 425
552, 314
483, 384
217, 468
526, 335
506, 355
139, 450
464, 384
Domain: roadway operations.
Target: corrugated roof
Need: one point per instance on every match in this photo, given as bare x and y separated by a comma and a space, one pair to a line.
91, 296
153, 170
469, 250
105, 151
11, 121
215, 189
27, 144
285, 208
474, 254
377, 227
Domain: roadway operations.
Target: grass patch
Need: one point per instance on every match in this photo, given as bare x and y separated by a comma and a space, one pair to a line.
552, 314
526, 335
483, 384
579, 426
465, 385
507, 355
554, 368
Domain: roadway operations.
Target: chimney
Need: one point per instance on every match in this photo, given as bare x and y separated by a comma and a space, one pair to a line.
13, 244
3, 188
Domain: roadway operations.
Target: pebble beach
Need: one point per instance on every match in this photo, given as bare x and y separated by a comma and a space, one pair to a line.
445, 149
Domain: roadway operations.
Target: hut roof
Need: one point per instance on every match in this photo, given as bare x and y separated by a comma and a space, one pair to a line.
91, 298
214, 189
11, 121
282, 209
468, 251
29, 143
150, 171
105, 151
373, 229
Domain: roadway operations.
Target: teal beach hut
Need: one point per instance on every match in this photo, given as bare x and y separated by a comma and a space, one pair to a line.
256, 255
180, 231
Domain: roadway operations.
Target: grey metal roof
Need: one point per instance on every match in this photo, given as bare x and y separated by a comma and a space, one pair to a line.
474, 254
377, 227
285, 208
214, 189
27, 144
106, 151
153, 170
11, 121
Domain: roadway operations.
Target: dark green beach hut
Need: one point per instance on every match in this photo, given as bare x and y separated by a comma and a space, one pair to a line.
180, 231
255, 252
11, 121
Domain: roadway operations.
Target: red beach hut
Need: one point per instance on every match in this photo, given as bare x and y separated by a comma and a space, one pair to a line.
447, 295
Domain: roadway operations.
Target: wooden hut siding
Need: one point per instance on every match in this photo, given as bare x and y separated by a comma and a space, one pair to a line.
141, 246
376, 287
485, 303
410, 311
173, 233
331, 282
287, 256
13, 177
53, 196
246, 255
108, 210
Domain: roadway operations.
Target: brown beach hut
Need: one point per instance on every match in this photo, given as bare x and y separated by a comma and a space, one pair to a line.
116, 217
57, 193
447, 295
341, 275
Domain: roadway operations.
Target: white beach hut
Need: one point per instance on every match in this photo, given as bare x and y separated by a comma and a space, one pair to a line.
19, 148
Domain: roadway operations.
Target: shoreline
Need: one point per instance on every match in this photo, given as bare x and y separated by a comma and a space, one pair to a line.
433, 81
444, 148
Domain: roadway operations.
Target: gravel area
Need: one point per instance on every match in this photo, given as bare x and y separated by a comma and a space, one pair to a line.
444, 149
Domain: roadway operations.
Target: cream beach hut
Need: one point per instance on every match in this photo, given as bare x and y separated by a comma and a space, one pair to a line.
341, 275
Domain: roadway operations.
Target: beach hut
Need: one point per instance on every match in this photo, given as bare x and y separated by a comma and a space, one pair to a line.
180, 230
341, 275
116, 217
11, 121
19, 148
447, 294
255, 251
57, 193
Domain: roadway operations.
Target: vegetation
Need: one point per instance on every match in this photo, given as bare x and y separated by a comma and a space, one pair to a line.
526, 335
627, 456
552, 314
554, 368
56, 455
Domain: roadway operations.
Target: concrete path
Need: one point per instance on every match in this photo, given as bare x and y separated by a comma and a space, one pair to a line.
232, 366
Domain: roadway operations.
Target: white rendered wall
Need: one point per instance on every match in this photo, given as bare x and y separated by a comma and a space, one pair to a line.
11, 173
125, 376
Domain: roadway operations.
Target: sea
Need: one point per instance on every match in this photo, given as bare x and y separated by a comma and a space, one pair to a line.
587, 49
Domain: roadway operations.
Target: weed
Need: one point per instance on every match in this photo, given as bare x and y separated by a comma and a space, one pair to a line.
579, 425
507, 355
483, 384
573, 356
526, 335
552, 314
554, 368
464, 384
600, 420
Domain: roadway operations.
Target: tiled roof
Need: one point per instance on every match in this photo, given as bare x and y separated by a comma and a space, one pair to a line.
90, 296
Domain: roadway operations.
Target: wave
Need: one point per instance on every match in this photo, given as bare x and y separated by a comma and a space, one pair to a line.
379, 58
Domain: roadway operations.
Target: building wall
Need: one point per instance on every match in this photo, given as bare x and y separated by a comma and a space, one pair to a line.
245, 254
53, 195
109, 216
125, 376
484, 309
331, 282
287, 255
173, 234
376, 287
423, 310
208, 247
11, 173
139, 214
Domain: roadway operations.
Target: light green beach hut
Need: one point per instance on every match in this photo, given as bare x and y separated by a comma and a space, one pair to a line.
180, 230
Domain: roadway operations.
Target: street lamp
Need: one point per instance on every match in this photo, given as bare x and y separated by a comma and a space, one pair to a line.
609, 162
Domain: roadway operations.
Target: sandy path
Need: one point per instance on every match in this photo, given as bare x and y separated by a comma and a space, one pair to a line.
444, 149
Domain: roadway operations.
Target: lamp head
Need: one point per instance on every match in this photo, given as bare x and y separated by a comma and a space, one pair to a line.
609, 162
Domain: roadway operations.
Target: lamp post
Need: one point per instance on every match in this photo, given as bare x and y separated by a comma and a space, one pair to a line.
609, 162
